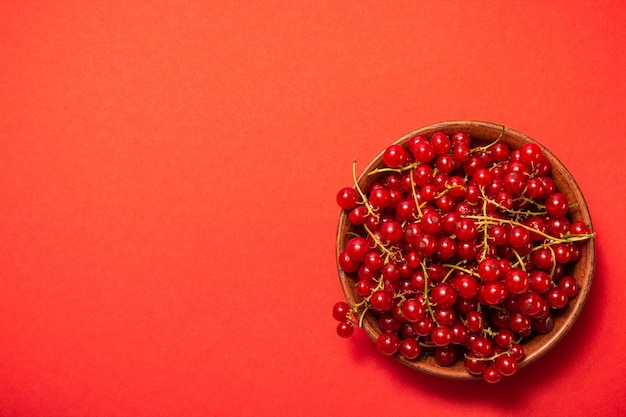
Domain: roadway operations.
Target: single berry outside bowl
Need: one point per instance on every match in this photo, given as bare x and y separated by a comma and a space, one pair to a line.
534, 346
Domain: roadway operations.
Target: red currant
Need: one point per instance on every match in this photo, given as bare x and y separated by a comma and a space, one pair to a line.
388, 343
347, 198
395, 156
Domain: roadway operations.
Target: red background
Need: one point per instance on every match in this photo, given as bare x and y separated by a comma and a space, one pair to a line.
168, 174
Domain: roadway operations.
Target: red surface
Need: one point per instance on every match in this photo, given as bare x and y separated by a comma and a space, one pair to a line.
167, 182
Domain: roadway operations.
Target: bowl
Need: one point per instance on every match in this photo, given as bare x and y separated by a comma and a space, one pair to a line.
535, 346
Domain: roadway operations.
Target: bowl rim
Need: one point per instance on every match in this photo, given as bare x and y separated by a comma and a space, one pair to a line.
580, 212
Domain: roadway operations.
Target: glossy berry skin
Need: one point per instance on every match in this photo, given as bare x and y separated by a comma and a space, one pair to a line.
441, 336
500, 152
518, 236
520, 324
395, 156
543, 258
347, 198
556, 298
410, 348
530, 303
557, 204
516, 281
380, 198
492, 375
493, 293
424, 326
391, 231
489, 270
441, 143
345, 329
388, 343
539, 281
459, 333
445, 355
474, 321
346, 263
443, 295
506, 364
382, 301
357, 248
543, 324
341, 310
423, 151
413, 310
569, 286
504, 338
466, 229
517, 351
466, 286
461, 139
481, 346
530, 153
474, 364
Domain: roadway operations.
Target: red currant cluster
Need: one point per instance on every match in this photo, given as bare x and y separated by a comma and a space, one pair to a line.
459, 252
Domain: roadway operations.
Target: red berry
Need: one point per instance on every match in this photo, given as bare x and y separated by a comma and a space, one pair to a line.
357, 248
539, 281
395, 156
506, 364
492, 293
556, 298
413, 310
345, 329
520, 324
341, 311
568, 285
382, 301
466, 285
443, 295
543, 324
388, 343
474, 364
489, 270
474, 321
410, 348
557, 204
466, 229
346, 263
347, 198
530, 303
441, 143
516, 281
445, 355
423, 151
441, 336
530, 153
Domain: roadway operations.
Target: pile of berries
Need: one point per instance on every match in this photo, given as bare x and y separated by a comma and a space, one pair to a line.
459, 250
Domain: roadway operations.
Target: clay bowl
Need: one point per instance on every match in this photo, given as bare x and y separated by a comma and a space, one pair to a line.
535, 346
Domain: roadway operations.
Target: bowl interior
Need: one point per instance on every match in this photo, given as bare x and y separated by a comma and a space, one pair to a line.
534, 346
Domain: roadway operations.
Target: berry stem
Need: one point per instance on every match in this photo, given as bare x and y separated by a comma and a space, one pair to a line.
520, 260
388, 253
426, 285
399, 170
460, 268
358, 189
568, 238
417, 204
489, 145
